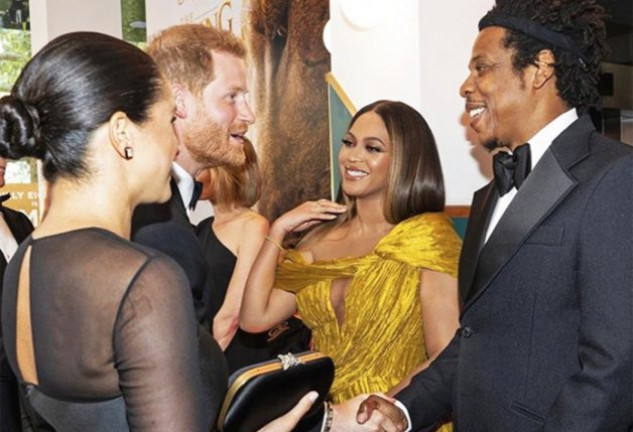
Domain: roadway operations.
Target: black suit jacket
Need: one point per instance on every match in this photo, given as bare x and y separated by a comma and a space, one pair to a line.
20, 227
166, 227
546, 335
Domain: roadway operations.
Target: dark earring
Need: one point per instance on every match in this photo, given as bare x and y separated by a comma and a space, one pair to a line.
128, 152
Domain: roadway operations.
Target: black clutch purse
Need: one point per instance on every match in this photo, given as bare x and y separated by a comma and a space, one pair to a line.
260, 393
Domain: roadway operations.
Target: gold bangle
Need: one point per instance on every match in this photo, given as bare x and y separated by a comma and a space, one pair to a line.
277, 245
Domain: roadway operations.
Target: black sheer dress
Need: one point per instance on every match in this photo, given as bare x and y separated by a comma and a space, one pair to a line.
115, 340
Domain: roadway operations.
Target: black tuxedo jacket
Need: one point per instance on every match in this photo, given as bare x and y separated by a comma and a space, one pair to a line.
546, 326
20, 227
166, 227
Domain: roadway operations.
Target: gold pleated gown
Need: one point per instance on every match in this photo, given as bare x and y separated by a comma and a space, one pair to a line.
381, 339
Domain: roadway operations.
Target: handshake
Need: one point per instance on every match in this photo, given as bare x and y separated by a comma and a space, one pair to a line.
377, 413
373, 413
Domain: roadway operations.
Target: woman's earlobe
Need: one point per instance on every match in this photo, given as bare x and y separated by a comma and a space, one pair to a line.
119, 137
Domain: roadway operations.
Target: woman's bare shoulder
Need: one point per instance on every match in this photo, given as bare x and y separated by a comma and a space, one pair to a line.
255, 222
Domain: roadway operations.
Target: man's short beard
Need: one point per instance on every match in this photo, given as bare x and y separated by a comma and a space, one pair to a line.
208, 144
493, 144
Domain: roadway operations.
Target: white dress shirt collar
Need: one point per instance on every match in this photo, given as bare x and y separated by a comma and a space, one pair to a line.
8, 244
539, 144
184, 181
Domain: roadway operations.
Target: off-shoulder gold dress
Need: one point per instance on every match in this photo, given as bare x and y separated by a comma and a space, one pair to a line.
381, 339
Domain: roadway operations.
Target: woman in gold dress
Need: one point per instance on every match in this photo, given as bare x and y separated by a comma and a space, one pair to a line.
375, 279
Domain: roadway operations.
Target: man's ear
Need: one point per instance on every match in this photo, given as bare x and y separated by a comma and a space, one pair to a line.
180, 93
544, 63
120, 136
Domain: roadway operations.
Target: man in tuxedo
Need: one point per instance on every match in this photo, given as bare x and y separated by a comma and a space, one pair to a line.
207, 72
206, 69
546, 271
14, 228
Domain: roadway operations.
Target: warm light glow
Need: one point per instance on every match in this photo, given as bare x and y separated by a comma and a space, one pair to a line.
364, 14
327, 36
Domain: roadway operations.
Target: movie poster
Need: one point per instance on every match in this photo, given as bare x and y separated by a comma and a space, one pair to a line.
290, 61
223, 14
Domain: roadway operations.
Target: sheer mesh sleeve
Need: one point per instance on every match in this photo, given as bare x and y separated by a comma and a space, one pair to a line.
156, 352
110, 319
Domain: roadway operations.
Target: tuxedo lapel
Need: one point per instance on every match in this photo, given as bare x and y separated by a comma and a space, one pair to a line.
171, 211
540, 194
177, 206
484, 201
18, 224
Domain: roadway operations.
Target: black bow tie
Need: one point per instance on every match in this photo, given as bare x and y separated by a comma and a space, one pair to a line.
4, 197
197, 190
511, 169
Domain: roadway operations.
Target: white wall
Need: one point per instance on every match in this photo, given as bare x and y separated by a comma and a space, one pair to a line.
51, 18
419, 55
447, 34
382, 62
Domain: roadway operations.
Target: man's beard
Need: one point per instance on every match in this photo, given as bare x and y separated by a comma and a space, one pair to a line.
493, 144
208, 144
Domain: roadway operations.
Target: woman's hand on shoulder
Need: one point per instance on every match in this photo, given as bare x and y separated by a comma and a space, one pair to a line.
308, 214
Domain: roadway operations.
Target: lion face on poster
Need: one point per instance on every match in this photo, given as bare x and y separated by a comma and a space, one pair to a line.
289, 63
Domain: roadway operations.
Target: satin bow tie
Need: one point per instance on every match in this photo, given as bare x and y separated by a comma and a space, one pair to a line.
197, 190
511, 169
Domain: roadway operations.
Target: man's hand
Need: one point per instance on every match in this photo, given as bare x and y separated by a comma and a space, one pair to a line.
346, 418
394, 418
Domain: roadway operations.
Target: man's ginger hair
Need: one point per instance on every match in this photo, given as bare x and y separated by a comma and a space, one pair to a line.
184, 53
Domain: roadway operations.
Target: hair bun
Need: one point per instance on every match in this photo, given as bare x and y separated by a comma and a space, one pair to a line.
19, 129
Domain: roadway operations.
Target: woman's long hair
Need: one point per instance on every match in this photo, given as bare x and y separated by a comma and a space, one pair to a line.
416, 183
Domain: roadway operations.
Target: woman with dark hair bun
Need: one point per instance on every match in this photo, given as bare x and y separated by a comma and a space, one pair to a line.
88, 316
100, 331
20, 126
